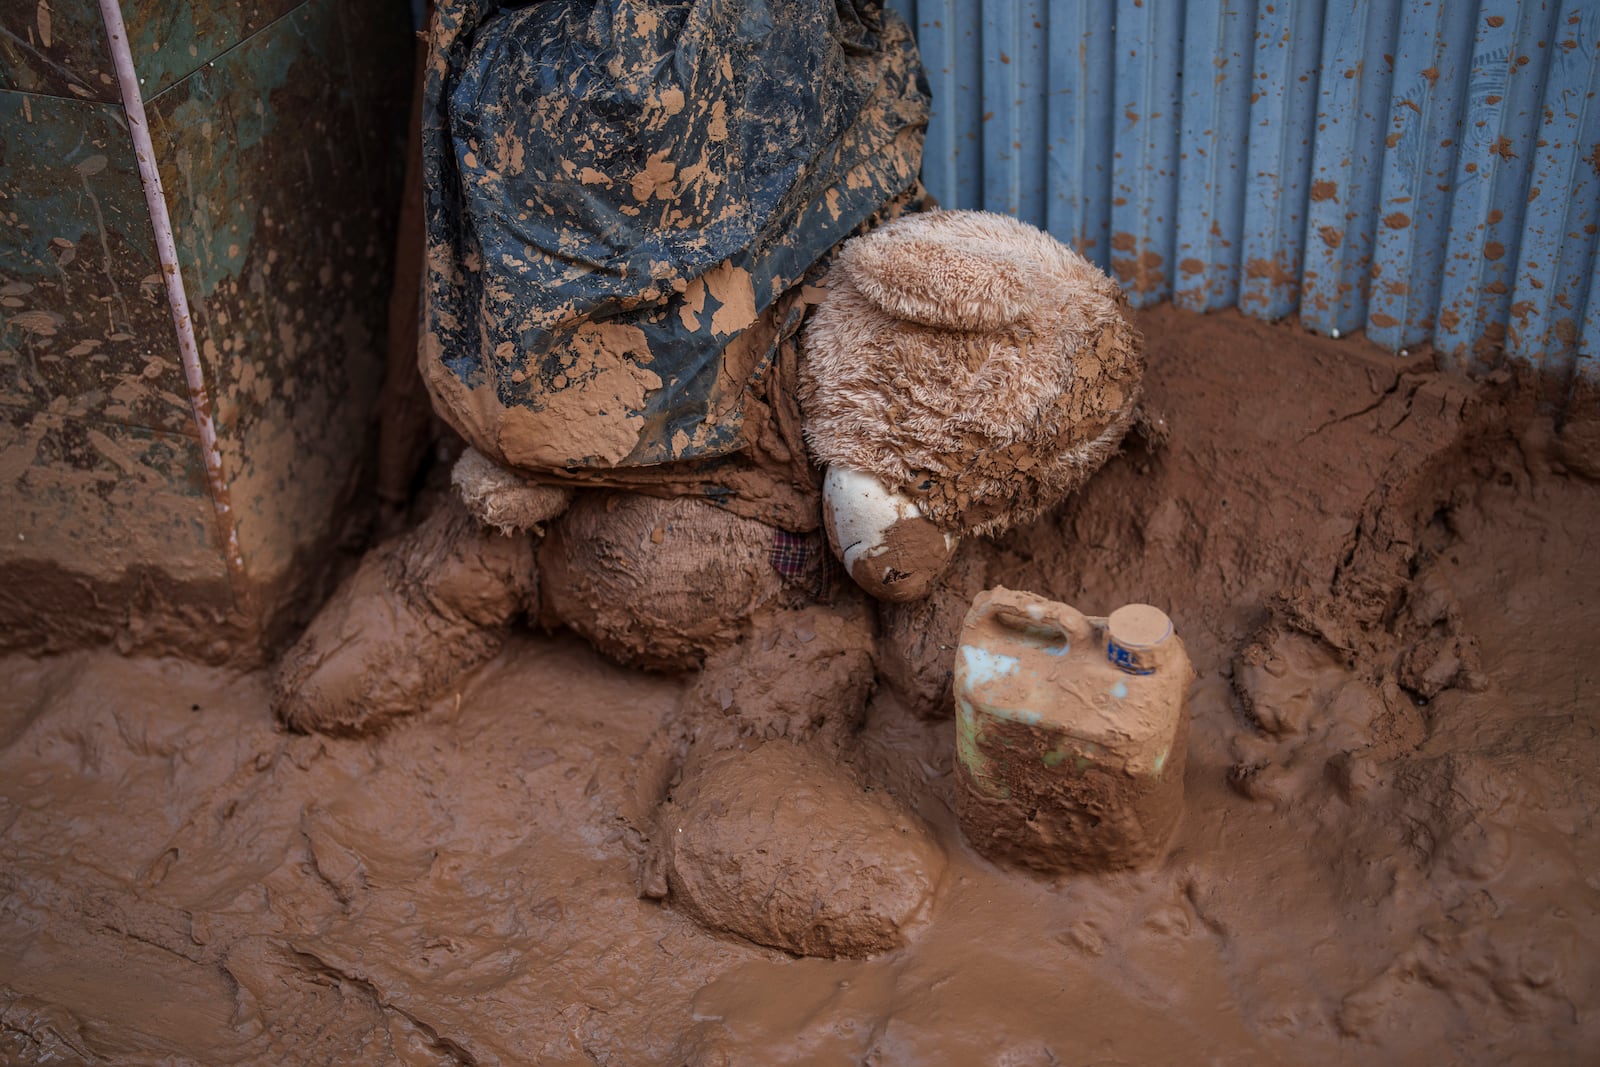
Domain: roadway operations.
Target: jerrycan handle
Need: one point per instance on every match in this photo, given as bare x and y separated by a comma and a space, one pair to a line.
1043, 615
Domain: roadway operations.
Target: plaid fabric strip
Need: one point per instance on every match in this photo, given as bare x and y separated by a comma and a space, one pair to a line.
804, 562
791, 554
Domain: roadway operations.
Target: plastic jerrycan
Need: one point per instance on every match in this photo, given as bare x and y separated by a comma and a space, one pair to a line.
1071, 732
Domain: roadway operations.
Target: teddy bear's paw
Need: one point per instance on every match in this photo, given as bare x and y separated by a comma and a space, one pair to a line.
419, 613
501, 499
799, 674
783, 847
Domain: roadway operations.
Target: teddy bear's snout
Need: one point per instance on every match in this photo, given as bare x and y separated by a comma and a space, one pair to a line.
891, 549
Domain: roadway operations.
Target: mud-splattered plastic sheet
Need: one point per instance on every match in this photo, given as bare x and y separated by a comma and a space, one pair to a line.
623, 198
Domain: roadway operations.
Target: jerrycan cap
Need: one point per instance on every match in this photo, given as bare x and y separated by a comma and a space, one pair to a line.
1134, 635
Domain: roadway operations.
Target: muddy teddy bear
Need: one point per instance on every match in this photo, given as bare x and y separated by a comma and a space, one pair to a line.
964, 372
689, 372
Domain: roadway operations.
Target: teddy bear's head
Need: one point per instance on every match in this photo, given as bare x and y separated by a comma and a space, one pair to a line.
965, 372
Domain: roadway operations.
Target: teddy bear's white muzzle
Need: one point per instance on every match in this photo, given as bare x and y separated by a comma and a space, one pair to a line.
889, 547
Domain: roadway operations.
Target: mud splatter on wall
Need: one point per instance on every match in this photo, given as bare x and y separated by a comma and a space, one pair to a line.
276, 128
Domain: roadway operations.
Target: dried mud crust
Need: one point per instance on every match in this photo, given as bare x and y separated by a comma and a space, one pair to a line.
1384, 858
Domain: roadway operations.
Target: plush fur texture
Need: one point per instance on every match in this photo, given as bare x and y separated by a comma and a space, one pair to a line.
972, 359
502, 499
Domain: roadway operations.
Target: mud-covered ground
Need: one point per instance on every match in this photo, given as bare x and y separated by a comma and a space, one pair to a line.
1387, 581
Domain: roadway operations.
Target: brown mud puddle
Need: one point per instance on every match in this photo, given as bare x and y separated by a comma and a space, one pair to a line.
1387, 585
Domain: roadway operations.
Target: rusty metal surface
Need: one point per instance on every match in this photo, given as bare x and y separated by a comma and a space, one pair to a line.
1144, 176
279, 217
1215, 131
1556, 255
1286, 48
82, 314
55, 48
1420, 170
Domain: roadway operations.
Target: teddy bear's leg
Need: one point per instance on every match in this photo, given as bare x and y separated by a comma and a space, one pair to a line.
801, 674
765, 830
420, 611
917, 641
657, 583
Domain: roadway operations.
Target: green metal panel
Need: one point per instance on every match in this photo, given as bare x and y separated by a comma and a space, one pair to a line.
56, 48
171, 40
82, 312
279, 224
278, 132
98, 498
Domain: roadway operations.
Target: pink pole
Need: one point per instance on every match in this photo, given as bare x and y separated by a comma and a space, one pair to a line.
177, 298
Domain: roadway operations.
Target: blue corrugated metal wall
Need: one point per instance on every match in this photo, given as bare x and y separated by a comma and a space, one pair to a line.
1426, 170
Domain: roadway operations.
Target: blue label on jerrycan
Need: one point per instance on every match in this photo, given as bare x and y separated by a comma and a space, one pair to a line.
1126, 659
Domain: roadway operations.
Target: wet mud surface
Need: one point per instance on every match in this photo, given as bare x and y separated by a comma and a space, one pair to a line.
1386, 583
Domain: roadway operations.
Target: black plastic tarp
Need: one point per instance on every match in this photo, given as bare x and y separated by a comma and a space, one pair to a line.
619, 195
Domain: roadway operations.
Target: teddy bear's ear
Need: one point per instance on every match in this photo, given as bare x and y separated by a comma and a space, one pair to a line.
953, 282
